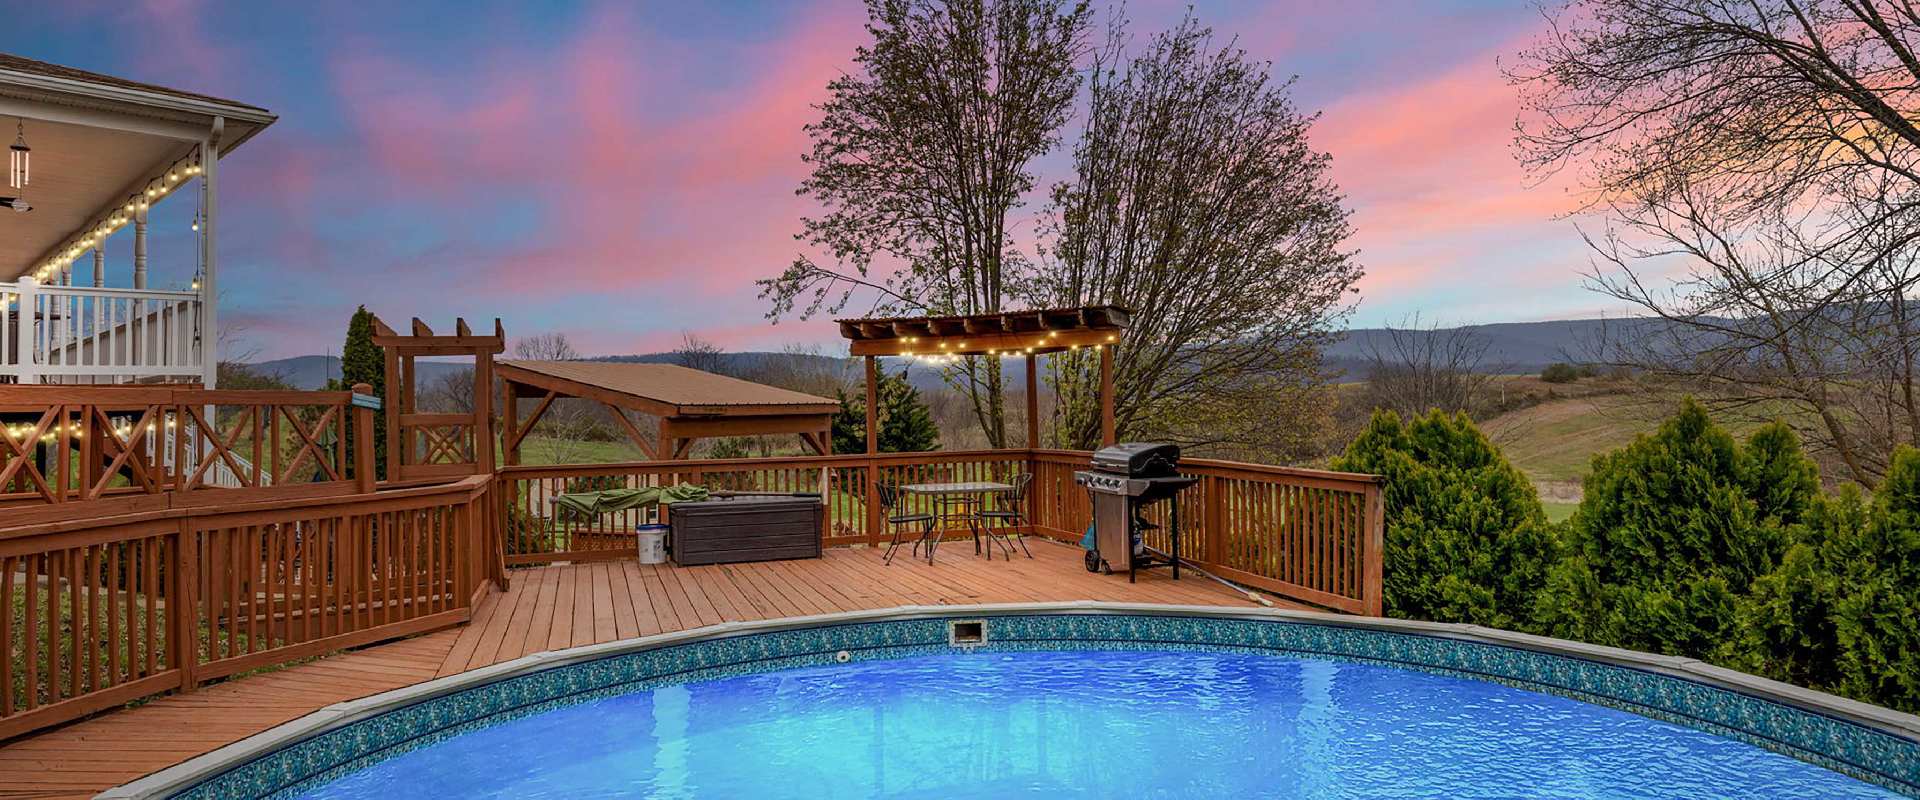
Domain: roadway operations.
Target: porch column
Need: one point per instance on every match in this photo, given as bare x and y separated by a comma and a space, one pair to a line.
140, 247
210, 281
99, 265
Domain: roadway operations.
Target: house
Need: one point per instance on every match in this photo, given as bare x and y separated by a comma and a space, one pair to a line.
90, 154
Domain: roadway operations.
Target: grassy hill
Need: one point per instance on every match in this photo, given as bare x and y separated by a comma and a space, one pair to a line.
1555, 440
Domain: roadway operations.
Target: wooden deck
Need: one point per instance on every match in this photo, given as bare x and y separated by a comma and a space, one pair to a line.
550, 608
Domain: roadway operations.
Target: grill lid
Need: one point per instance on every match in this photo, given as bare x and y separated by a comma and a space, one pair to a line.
1139, 459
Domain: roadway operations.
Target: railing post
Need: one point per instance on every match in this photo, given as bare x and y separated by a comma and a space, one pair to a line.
183, 645
874, 513
1373, 588
1216, 520
24, 340
364, 403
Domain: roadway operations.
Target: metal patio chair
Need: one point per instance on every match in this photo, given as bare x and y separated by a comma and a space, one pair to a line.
1009, 509
890, 507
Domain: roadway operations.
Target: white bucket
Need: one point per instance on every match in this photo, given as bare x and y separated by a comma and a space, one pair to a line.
653, 544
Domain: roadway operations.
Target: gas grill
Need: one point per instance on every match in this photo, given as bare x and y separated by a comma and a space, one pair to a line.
1124, 481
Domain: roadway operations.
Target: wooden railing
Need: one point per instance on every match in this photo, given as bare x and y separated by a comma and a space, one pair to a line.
108, 610
1309, 535
160, 446
537, 530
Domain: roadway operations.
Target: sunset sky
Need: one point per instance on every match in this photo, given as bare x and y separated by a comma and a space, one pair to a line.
622, 172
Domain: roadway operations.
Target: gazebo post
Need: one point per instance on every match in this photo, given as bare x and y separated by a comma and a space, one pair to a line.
509, 421
1107, 435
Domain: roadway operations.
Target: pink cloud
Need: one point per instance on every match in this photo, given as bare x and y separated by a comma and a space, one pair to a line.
1429, 171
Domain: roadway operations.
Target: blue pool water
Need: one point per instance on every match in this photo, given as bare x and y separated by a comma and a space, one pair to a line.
1098, 724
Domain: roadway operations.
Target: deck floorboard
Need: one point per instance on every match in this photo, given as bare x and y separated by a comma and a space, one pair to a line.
553, 607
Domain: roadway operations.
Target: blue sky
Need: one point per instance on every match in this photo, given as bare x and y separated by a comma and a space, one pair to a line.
622, 172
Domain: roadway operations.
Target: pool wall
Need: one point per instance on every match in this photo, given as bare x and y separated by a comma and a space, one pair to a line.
1864, 741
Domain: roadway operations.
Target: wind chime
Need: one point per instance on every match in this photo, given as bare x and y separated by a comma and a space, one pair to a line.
20, 161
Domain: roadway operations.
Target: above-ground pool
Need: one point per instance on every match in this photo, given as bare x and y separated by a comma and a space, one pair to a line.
1078, 700
1094, 724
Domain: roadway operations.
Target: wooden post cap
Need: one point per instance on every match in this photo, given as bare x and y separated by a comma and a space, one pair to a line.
362, 388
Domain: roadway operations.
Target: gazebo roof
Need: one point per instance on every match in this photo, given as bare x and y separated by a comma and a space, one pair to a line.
1045, 330
663, 389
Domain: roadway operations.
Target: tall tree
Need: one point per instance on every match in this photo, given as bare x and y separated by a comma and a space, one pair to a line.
1198, 201
920, 155
1770, 150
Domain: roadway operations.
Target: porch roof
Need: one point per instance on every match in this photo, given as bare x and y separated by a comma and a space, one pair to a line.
99, 141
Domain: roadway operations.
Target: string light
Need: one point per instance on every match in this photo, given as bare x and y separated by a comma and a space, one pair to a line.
142, 199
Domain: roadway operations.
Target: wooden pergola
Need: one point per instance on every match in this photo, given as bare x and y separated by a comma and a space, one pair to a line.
690, 404
435, 446
1027, 333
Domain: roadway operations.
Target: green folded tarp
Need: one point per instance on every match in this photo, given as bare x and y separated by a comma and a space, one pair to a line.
591, 504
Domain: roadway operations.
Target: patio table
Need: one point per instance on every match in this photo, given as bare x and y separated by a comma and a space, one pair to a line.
958, 494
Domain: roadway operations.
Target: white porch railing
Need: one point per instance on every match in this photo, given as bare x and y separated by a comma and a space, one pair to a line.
83, 334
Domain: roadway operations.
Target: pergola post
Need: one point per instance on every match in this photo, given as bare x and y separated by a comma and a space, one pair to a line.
873, 448
1107, 435
873, 406
1033, 404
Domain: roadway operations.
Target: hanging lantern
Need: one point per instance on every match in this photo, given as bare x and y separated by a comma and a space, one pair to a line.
20, 163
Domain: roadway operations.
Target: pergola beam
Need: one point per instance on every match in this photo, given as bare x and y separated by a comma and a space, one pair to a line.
1029, 333
1052, 341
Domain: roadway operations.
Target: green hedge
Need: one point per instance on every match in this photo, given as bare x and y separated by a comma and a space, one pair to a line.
1687, 542
1467, 540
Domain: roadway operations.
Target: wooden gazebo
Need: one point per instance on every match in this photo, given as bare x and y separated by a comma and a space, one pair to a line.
1008, 333
690, 404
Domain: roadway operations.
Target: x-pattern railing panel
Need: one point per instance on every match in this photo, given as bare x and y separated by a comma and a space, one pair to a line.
88, 443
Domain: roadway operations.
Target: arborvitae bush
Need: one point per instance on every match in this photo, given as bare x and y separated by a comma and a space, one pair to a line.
1787, 620
1467, 540
1673, 531
363, 362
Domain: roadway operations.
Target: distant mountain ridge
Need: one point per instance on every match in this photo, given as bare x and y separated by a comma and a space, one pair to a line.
1511, 347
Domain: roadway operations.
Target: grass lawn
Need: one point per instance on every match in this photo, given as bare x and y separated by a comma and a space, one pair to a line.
541, 450
1559, 512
